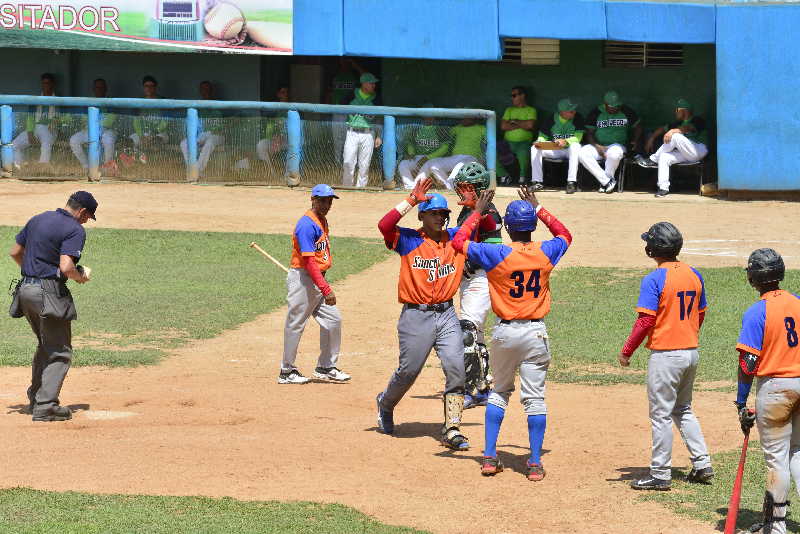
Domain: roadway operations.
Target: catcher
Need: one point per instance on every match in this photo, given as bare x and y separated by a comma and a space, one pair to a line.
470, 181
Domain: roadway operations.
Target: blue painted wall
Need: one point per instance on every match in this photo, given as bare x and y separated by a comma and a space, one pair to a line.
444, 29
660, 22
758, 112
553, 19
318, 27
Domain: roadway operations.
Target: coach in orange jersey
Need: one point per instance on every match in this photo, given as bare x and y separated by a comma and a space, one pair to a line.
671, 306
769, 348
519, 288
430, 274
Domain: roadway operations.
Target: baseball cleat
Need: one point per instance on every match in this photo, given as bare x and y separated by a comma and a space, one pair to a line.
609, 187
331, 374
535, 472
651, 483
662, 193
702, 476
647, 163
455, 440
292, 377
571, 187
490, 466
52, 413
538, 186
471, 401
385, 417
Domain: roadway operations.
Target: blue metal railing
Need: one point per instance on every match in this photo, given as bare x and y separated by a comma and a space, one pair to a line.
293, 125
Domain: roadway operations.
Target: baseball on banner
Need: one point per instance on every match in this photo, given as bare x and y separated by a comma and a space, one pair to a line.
224, 21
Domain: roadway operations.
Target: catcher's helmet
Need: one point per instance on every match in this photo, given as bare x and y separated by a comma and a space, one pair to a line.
473, 173
663, 240
436, 202
520, 217
764, 266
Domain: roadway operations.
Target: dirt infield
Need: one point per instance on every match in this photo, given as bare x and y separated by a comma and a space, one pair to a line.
211, 420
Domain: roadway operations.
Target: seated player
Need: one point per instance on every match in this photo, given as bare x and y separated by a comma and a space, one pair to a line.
684, 142
149, 125
209, 137
519, 286
565, 127
467, 142
108, 137
41, 126
425, 144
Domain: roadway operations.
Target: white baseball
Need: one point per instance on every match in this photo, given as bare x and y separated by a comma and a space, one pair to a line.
271, 34
224, 21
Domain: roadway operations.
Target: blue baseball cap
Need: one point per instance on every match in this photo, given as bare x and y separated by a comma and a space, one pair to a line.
86, 200
435, 202
323, 190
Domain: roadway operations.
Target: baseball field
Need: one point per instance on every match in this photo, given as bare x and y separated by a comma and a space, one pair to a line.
180, 425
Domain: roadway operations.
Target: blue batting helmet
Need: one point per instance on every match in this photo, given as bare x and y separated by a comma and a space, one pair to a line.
520, 217
436, 202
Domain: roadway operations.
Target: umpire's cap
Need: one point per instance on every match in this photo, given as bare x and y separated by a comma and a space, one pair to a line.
435, 202
764, 266
86, 200
663, 239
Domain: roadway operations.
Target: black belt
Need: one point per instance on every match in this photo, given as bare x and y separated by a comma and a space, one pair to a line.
507, 321
438, 307
31, 280
360, 130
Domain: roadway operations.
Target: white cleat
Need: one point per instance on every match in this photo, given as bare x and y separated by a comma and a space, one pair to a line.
331, 374
293, 377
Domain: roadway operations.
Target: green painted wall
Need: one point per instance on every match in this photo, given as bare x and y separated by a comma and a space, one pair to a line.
581, 76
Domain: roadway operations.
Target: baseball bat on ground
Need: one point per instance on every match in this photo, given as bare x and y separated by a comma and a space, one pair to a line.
733, 505
266, 255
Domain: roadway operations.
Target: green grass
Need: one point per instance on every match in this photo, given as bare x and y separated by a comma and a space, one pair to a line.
155, 290
270, 15
594, 309
26, 511
710, 502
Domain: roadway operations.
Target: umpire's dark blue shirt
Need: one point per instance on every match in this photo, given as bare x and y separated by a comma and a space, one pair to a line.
46, 238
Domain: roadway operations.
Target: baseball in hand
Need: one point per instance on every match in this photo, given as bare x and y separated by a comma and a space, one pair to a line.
224, 21
85, 271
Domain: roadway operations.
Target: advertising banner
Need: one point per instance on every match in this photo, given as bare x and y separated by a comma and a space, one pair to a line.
232, 26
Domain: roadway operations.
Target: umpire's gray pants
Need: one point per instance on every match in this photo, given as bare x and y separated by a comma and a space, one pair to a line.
520, 345
305, 300
418, 332
53, 352
670, 379
778, 420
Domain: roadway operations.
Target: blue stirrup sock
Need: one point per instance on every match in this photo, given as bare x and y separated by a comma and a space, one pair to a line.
493, 420
536, 427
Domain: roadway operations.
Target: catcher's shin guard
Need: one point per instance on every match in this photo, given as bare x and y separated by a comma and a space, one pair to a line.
485, 383
451, 433
472, 358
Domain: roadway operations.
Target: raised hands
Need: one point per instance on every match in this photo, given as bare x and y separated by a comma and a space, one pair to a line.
526, 193
484, 200
420, 192
466, 192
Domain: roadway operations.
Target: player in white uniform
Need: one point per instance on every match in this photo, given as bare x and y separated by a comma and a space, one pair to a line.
108, 136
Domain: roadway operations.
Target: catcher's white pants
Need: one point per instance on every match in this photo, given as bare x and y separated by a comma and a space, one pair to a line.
680, 149
46, 139
305, 300
589, 157
670, 379
208, 142
107, 139
405, 168
357, 146
778, 420
137, 140
442, 168
520, 345
475, 301
571, 153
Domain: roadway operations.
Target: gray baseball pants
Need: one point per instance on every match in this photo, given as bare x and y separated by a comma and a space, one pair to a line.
778, 420
419, 331
670, 379
53, 352
305, 300
520, 345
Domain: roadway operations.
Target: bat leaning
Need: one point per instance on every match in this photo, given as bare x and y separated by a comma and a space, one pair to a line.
268, 256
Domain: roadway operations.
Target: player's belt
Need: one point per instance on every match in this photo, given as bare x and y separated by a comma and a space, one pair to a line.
438, 307
507, 321
360, 130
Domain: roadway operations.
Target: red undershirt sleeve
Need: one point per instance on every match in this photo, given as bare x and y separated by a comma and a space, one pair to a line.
388, 226
644, 323
465, 231
316, 275
488, 223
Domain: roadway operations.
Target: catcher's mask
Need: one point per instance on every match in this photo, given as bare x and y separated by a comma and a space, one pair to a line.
663, 240
765, 266
475, 174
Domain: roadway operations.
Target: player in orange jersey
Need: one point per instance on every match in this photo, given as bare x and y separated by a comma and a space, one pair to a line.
519, 289
769, 348
672, 305
430, 274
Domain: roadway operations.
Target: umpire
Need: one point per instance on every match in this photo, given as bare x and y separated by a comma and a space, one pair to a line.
47, 250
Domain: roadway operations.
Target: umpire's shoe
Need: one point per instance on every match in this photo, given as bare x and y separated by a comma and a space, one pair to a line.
700, 476
385, 417
651, 483
52, 413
